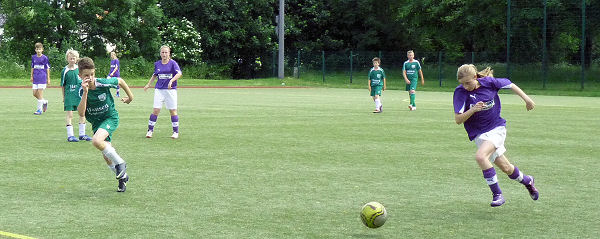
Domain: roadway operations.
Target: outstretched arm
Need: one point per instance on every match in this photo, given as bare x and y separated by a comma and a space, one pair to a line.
127, 90
529, 104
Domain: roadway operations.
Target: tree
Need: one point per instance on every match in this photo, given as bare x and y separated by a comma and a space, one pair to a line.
28, 22
234, 32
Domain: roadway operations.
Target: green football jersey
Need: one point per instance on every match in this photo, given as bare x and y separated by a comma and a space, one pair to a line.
69, 79
412, 69
100, 103
376, 76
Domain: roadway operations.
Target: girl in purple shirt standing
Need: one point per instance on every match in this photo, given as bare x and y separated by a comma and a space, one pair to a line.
477, 106
167, 71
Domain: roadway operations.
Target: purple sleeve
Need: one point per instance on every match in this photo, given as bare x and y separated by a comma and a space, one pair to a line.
176, 67
156, 64
500, 83
47, 63
460, 100
31, 61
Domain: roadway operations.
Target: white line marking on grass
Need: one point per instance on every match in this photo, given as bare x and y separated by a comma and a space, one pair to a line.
8, 234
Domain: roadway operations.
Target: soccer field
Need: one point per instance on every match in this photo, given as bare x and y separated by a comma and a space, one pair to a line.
297, 163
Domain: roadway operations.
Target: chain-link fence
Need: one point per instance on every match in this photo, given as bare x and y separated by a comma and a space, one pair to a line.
543, 46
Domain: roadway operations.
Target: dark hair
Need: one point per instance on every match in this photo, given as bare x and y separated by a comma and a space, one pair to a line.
86, 63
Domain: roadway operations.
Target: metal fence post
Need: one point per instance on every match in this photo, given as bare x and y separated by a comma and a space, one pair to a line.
508, 39
273, 63
582, 44
544, 49
298, 63
323, 58
351, 56
440, 67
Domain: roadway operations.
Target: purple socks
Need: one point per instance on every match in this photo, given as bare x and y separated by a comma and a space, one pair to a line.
520, 177
152, 122
175, 123
492, 180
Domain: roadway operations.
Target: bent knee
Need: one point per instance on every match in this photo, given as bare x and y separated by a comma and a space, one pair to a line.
412, 91
98, 142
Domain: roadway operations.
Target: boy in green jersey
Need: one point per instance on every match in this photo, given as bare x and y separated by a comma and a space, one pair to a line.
98, 107
409, 70
71, 86
377, 84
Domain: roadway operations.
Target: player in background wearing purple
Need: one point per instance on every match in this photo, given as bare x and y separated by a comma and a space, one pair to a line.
477, 106
40, 77
115, 68
165, 91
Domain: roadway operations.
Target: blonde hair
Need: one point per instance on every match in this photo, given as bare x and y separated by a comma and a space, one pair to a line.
39, 45
469, 70
376, 59
411, 51
71, 52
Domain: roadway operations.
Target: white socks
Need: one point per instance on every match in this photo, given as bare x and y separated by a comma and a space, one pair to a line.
111, 154
81, 129
70, 130
40, 104
377, 104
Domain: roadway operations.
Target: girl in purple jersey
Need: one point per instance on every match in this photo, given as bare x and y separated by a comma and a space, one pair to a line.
165, 91
477, 106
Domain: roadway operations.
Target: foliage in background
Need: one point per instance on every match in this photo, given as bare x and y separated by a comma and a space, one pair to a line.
239, 35
183, 39
234, 33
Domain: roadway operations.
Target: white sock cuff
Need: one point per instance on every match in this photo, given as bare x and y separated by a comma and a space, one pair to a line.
69, 130
81, 129
492, 180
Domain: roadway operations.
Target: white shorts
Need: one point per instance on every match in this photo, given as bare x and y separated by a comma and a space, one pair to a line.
166, 97
38, 86
496, 136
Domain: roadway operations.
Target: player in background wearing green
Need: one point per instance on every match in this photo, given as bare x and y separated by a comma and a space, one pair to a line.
98, 107
40, 77
71, 85
377, 84
409, 70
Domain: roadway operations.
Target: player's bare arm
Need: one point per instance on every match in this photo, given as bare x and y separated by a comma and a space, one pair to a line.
149, 82
529, 104
461, 118
176, 77
127, 90
83, 103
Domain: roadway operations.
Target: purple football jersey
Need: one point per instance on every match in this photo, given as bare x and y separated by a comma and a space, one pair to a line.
115, 64
489, 118
164, 73
40, 66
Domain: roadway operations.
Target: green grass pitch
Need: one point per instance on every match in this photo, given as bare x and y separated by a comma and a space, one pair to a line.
297, 163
